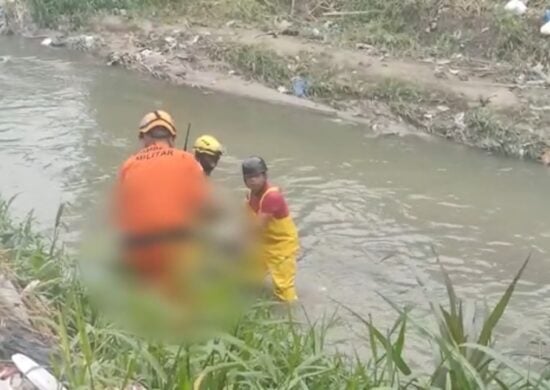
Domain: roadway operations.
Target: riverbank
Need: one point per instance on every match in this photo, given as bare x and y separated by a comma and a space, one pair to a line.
481, 84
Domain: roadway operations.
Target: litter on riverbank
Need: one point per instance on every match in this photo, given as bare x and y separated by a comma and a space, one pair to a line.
364, 85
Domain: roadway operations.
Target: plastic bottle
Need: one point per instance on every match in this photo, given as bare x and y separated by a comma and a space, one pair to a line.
299, 86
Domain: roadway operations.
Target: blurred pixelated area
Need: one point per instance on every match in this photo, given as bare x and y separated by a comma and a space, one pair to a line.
206, 284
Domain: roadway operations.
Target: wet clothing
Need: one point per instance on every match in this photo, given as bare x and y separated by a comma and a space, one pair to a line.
159, 194
279, 241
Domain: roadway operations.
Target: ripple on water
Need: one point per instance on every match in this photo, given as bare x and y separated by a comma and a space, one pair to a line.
44, 117
369, 220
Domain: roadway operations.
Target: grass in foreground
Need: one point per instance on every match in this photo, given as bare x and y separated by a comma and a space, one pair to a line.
264, 350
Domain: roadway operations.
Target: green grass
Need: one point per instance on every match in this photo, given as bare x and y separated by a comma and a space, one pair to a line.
75, 13
484, 129
326, 82
394, 90
255, 62
266, 348
476, 28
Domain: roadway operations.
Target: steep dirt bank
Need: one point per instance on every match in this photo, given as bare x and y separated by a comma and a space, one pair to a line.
475, 102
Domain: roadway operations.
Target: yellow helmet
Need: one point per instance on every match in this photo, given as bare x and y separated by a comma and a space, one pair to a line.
157, 118
208, 145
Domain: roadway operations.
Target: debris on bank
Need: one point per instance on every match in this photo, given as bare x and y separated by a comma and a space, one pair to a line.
171, 54
517, 7
230, 59
18, 338
545, 28
23, 373
283, 89
77, 42
25, 355
300, 86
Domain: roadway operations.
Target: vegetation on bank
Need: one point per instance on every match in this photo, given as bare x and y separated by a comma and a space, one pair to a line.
264, 350
478, 28
413, 27
345, 88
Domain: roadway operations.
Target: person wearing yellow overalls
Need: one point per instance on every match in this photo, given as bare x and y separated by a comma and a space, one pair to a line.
278, 243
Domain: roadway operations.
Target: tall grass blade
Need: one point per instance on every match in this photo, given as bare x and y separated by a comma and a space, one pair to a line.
449, 285
497, 312
392, 352
495, 316
526, 376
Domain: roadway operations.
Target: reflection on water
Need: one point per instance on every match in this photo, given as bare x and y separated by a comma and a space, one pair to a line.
66, 125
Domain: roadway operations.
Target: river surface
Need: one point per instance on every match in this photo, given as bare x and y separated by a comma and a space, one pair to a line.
66, 124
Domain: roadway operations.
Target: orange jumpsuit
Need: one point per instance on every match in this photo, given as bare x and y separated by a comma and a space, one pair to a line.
160, 191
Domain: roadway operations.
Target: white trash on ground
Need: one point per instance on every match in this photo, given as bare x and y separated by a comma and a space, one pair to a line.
37, 375
517, 7
545, 29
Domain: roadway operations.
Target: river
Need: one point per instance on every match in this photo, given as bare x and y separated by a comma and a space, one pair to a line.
66, 124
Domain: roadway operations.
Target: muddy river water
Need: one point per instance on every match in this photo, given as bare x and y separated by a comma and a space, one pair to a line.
67, 123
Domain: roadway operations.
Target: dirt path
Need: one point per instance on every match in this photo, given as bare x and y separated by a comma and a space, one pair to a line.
177, 53
442, 76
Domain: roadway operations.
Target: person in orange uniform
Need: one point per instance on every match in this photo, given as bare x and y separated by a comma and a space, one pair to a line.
279, 242
160, 196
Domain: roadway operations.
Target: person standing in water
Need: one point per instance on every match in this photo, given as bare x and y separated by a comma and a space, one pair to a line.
278, 235
208, 151
160, 197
